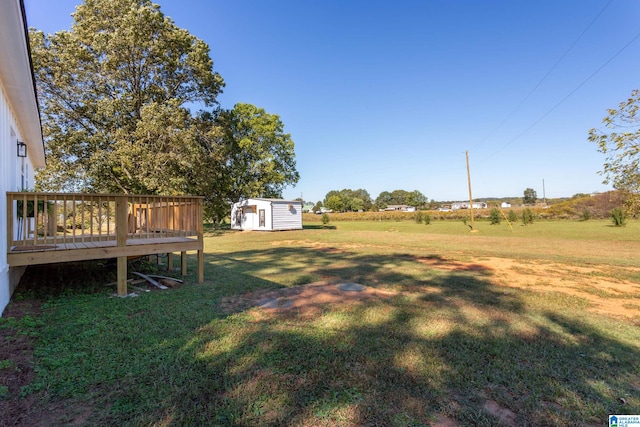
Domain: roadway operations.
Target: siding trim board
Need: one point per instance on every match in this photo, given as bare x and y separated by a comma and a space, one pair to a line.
19, 120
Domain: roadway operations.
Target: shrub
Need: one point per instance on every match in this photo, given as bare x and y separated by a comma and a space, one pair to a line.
418, 217
325, 219
619, 218
426, 218
527, 216
31, 208
632, 205
494, 216
513, 217
598, 206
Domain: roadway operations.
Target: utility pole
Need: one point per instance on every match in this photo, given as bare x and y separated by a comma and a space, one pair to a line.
473, 227
544, 194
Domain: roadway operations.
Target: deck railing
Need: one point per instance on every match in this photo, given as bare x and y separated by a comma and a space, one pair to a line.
41, 219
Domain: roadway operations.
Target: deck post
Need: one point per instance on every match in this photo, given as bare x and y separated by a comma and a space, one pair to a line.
121, 240
200, 266
122, 276
170, 261
200, 229
52, 212
9, 221
183, 263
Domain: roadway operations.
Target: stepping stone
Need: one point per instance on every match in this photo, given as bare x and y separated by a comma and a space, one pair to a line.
276, 303
352, 287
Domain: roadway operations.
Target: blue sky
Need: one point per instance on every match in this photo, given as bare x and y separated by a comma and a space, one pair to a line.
388, 95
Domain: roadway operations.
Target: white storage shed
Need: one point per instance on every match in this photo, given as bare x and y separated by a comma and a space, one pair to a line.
266, 215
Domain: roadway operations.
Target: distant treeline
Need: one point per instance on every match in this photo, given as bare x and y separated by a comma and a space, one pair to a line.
348, 200
579, 207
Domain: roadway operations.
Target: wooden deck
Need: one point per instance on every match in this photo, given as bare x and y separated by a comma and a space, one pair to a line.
62, 227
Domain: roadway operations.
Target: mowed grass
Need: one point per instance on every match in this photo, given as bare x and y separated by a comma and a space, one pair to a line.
450, 346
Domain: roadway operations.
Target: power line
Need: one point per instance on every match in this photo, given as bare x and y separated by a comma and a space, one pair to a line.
553, 67
569, 94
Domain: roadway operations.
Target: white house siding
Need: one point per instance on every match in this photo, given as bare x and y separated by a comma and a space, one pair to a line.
465, 205
10, 180
19, 121
6, 160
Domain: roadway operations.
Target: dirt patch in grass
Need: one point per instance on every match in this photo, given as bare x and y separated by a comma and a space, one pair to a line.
597, 285
305, 300
16, 355
603, 287
505, 415
451, 265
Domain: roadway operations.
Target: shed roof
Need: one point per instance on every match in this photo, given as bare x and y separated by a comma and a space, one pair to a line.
274, 200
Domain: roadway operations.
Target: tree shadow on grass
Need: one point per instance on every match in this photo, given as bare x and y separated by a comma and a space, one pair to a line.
460, 349
318, 227
402, 370
369, 269
452, 344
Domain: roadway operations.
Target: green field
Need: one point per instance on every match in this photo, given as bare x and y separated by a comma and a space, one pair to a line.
529, 325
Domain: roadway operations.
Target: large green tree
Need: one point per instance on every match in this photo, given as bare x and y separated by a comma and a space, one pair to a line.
115, 93
619, 141
259, 156
120, 72
334, 202
348, 200
401, 197
530, 196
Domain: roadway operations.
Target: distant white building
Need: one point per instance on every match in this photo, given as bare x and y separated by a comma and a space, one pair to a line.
465, 205
401, 208
505, 205
266, 215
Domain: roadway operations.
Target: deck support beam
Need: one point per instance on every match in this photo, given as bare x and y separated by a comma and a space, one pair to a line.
200, 227
122, 276
121, 241
183, 263
170, 261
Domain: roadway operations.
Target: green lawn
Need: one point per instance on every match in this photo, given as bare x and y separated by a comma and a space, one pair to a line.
452, 345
